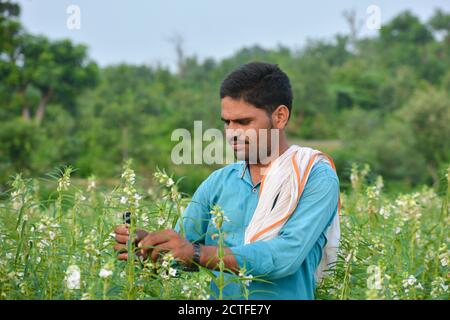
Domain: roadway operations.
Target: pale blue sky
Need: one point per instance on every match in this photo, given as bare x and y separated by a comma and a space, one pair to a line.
136, 31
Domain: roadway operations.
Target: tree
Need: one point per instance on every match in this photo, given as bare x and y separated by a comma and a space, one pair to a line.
405, 28
11, 33
59, 70
440, 22
35, 71
428, 115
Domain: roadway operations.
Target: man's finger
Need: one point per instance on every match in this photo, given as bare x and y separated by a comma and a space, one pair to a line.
123, 256
140, 235
164, 247
121, 238
120, 248
151, 240
157, 237
122, 229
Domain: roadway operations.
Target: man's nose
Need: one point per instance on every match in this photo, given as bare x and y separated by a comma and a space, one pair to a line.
233, 134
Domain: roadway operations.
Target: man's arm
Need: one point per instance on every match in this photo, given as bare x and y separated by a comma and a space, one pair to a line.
284, 254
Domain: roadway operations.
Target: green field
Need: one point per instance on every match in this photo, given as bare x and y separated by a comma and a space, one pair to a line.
60, 247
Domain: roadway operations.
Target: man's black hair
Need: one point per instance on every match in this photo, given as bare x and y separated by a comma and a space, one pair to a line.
261, 84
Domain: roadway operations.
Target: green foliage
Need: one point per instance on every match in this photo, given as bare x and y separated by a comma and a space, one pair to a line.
61, 246
384, 97
392, 247
428, 115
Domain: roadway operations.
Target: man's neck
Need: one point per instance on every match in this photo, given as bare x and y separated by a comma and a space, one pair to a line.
257, 170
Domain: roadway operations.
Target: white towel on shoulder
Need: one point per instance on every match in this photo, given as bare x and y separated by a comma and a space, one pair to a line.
284, 181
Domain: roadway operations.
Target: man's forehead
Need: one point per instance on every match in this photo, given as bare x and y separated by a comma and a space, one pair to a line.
232, 109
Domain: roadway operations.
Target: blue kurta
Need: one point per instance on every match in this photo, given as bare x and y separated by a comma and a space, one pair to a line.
289, 260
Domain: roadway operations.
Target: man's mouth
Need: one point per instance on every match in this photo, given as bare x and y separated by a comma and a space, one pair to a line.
238, 145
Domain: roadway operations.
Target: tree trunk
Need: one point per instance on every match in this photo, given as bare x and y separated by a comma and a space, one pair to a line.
125, 143
26, 113
434, 175
42, 104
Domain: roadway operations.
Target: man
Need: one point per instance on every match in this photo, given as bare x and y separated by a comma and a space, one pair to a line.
256, 96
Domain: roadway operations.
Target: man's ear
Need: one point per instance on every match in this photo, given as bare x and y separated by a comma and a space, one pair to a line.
280, 117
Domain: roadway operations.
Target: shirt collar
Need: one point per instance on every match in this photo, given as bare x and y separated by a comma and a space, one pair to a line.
241, 169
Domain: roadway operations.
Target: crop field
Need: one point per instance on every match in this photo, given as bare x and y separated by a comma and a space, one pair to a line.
59, 246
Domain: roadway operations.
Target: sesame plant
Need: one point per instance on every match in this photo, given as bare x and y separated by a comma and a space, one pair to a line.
61, 246
392, 247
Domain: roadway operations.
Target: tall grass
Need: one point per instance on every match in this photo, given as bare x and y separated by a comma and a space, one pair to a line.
60, 247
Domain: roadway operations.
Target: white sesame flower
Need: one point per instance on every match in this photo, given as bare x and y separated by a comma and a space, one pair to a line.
91, 184
105, 273
172, 272
164, 275
145, 219
411, 280
444, 261
51, 235
384, 212
73, 277
123, 200
248, 280
170, 182
374, 281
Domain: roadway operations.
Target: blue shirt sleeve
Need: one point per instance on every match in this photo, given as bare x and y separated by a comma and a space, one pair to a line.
193, 222
284, 254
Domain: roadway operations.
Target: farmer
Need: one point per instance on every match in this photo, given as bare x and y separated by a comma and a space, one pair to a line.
281, 205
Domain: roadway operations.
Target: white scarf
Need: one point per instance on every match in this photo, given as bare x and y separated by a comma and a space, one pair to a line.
286, 178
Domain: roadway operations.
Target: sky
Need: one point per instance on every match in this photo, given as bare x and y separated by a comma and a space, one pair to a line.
140, 31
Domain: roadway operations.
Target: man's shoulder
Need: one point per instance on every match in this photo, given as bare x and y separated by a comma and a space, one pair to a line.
323, 171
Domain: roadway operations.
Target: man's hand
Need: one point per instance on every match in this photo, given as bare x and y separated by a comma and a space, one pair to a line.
152, 244
167, 241
122, 236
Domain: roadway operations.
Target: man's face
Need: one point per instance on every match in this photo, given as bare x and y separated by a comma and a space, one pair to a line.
248, 130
